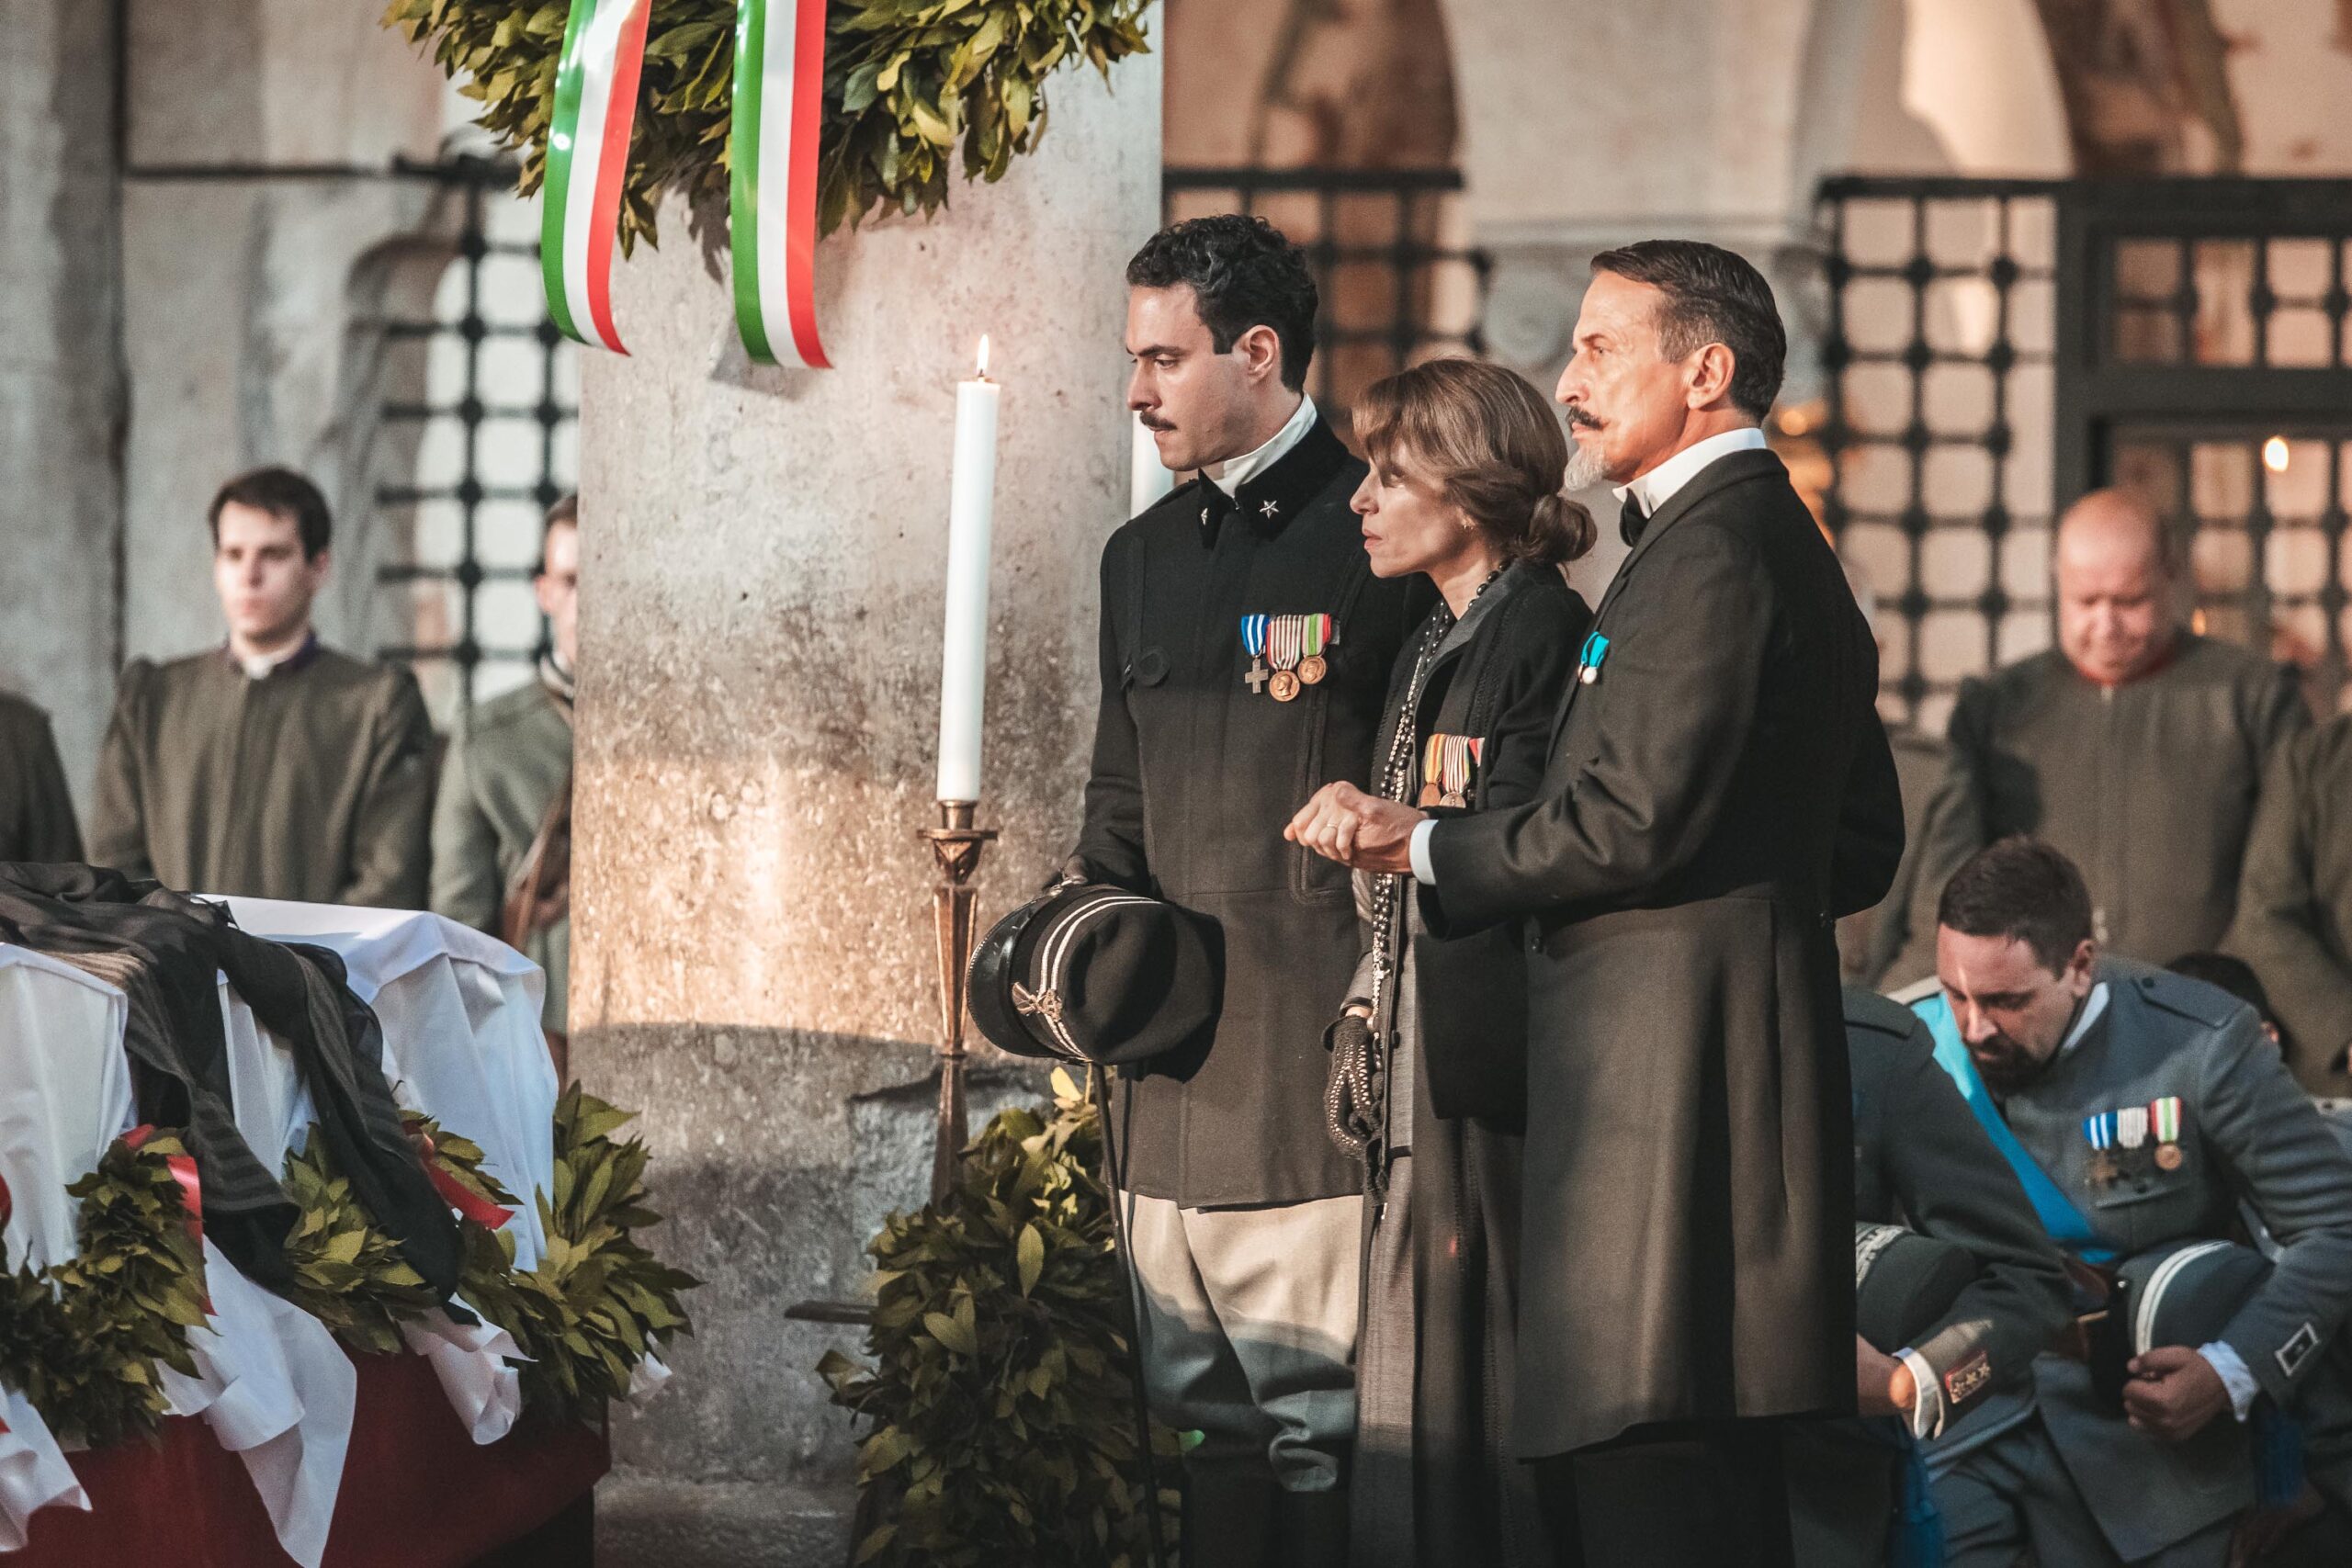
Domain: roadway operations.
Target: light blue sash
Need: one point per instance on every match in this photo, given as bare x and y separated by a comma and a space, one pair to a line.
2059, 1217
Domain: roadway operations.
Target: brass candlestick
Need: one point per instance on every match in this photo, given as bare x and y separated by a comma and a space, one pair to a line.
955, 847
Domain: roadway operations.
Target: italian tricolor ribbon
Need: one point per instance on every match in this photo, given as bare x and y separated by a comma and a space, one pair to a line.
596, 108
772, 188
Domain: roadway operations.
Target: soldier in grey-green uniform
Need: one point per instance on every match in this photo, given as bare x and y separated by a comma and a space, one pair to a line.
2148, 1107
506, 784
1921, 1161
2135, 746
35, 810
275, 767
2294, 920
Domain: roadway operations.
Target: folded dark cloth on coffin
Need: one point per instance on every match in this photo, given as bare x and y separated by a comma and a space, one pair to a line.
165, 951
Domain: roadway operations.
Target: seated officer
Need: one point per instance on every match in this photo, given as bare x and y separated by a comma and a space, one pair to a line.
1954, 1276
2139, 1109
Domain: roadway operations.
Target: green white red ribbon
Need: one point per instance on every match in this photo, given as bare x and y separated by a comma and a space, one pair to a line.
771, 192
595, 106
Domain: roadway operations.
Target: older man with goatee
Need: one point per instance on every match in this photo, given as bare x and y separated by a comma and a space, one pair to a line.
1719, 791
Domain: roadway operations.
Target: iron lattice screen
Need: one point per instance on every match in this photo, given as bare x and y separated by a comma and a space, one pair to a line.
1939, 367
485, 394
2209, 357
1998, 347
1397, 283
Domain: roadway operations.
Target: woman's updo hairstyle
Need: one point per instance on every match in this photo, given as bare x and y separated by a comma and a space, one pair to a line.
1490, 445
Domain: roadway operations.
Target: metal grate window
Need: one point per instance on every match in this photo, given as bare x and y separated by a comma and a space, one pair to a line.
489, 404
2207, 362
1399, 284
1939, 364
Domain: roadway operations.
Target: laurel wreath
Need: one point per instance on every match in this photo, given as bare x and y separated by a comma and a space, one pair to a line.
82, 1340
909, 86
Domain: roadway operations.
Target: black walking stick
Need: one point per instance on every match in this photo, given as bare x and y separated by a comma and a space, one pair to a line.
1099, 1089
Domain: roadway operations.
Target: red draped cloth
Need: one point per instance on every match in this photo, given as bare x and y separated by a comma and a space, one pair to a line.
417, 1491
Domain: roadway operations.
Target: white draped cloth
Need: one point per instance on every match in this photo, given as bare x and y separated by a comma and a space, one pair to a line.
462, 1043
460, 1015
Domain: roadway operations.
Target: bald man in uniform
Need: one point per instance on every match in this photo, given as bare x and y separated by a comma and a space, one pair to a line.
2135, 746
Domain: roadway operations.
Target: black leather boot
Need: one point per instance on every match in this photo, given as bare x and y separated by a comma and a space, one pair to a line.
1229, 1516
1311, 1529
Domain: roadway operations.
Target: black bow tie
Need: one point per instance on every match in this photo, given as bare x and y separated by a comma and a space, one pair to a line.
1630, 521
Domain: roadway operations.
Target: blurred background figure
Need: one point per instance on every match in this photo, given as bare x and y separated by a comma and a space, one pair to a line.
2295, 902
274, 767
36, 809
502, 825
2136, 746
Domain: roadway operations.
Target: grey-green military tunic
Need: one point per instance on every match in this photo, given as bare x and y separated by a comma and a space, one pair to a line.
1893, 944
312, 782
1922, 1161
36, 808
506, 763
2149, 786
2246, 1135
2294, 920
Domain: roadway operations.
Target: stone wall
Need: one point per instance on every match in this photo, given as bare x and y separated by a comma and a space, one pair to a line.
760, 598
61, 378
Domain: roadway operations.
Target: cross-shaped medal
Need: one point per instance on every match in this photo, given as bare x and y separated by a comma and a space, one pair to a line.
1257, 678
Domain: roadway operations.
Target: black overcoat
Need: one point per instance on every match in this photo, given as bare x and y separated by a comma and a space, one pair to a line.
1717, 794
1194, 776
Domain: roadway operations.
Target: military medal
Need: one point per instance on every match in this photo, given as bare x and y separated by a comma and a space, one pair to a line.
2100, 1132
2131, 1136
1596, 650
1311, 669
1457, 754
1283, 634
2165, 1116
1254, 641
1432, 766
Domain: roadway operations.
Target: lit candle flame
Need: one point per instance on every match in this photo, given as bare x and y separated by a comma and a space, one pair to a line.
2274, 454
984, 357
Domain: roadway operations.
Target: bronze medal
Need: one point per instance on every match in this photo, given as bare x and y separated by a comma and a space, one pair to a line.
2103, 1170
1284, 686
2168, 1156
1453, 797
1430, 796
1312, 669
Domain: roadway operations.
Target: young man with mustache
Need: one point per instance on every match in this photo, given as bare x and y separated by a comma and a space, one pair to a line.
1245, 650
1719, 791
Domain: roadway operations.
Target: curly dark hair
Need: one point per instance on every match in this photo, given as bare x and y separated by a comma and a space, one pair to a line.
2021, 889
1713, 295
1245, 273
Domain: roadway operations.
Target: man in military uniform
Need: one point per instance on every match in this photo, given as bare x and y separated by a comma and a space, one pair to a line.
276, 767
2294, 920
505, 806
1246, 649
2136, 746
1922, 1161
36, 809
2143, 1108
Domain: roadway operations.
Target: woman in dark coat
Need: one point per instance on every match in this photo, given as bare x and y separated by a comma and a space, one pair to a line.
1429, 1054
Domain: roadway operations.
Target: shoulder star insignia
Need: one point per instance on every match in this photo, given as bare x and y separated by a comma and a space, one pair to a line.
1269, 509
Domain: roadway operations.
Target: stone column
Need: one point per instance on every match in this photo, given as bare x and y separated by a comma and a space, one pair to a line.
61, 378
763, 567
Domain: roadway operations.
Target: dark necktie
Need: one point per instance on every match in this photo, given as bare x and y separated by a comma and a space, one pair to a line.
1632, 520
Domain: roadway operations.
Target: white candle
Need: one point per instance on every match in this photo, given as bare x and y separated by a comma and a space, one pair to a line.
1147, 480
964, 646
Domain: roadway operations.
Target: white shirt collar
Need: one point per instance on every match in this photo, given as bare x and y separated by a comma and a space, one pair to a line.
1232, 474
1657, 488
2091, 1009
261, 666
